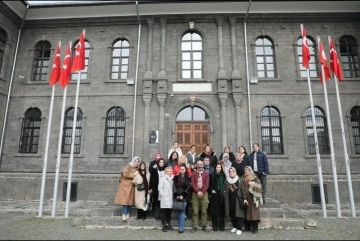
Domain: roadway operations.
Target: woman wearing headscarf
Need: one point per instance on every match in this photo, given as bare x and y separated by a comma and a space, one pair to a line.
231, 154
216, 189
155, 175
153, 164
232, 192
143, 177
125, 195
253, 198
181, 193
227, 164
166, 183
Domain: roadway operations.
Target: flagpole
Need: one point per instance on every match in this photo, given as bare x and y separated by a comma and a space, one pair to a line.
43, 178
322, 195
58, 159
72, 146
333, 161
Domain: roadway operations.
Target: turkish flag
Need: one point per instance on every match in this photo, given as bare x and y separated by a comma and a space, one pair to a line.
55, 71
305, 48
323, 62
334, 61
79, 54
65, 69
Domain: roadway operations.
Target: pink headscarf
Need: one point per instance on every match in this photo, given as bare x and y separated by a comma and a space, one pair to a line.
156, 155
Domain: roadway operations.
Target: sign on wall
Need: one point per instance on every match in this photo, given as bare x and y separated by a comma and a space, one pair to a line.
154, 137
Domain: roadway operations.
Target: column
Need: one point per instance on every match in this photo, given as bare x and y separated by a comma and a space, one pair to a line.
235, 72
148, 73
221, 72
223, 100
237, 103
147, 101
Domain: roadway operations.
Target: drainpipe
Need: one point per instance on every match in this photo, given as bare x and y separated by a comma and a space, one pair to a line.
247, 72
10, 84
136, 78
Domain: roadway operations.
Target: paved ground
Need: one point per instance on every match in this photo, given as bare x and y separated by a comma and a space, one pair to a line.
17, 226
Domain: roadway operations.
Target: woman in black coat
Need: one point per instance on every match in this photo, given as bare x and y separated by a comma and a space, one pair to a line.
216, 190
155, 175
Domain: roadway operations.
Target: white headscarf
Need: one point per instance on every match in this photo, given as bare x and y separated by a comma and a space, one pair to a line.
132, 162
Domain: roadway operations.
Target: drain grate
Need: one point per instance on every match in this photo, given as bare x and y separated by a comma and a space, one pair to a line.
73, 191
316, 196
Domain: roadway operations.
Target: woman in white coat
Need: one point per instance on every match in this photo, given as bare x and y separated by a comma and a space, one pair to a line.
166, 198
142, 177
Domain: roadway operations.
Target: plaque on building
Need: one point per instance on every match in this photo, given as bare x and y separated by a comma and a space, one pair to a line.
154, 137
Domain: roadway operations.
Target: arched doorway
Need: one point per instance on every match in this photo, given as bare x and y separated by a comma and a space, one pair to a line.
192, 128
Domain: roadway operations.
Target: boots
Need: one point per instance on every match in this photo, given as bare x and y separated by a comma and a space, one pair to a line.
124, 217
255, 227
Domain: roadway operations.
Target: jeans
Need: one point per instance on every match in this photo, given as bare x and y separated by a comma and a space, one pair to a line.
126, 209
181, 218
263, 184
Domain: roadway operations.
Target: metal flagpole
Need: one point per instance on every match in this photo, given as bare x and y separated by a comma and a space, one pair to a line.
72, 146
43, 178
58, 159
322, 195
333, 162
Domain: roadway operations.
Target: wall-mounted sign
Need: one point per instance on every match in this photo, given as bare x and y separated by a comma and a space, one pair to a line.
154, 137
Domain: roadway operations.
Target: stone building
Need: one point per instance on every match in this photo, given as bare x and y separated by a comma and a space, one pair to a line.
227, 73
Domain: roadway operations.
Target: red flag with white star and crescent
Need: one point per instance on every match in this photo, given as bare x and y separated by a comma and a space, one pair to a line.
305, 48
323, 62
55, 71
79, 54
335, 65
65, 69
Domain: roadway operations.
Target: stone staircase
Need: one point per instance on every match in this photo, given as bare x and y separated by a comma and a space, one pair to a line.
273, 215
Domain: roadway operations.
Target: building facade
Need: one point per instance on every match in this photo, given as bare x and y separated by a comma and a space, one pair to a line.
198, 73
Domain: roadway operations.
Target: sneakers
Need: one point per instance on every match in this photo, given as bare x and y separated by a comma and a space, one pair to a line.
233, 230
164, 229
238, 232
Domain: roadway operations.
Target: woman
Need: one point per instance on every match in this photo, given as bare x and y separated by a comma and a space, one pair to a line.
216, 188
232, 192
153, 164
231, 154
241, 161
176, 148
181, 188
182, 161
208, 152
227, 164
143, 177
253, 199
166, 198
125, 195
173, 160
155, 175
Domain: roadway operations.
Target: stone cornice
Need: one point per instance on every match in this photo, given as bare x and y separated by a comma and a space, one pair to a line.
10, 14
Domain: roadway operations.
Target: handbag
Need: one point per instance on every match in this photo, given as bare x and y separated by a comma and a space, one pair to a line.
242, 205
178, 205
140, 187
148, 203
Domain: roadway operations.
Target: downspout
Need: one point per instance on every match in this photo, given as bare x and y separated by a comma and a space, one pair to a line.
10, 84
247, 72
136, 78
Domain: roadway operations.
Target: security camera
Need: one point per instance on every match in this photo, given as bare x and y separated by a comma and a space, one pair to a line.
172, 95
21, 78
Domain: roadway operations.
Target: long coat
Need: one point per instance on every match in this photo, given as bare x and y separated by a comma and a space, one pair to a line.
126, 192
140, 195
217, 199
252, 212
166, 192
239, 212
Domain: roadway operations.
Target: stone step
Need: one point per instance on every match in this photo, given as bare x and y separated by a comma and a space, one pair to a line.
150, 223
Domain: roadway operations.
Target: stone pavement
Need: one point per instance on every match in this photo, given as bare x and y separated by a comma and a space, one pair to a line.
18, 221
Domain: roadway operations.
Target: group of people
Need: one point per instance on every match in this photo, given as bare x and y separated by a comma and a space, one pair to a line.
232, 186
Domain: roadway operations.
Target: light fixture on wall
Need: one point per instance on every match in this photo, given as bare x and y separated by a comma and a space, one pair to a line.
191, 24
192, 98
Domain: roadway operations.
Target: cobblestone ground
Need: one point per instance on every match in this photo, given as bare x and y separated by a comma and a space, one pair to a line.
16, 226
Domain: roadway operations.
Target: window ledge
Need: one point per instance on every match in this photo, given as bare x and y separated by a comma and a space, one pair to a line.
47, 83
117, 81
276, 156
75, 156
192, 80
269, 80
113, 156
305, 79
34, 155
313, 156
352, 79
355, 155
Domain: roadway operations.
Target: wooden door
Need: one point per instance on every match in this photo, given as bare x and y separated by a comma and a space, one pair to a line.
188, 134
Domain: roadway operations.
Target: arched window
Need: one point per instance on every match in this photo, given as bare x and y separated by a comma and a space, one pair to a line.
120, 59
30, 131
115, 131
355, 125
191, 56
67, 131
41, 61
265, 57
322, 133
271, 131
84, 72
2, 47
349, 56
312, 63
192, 114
